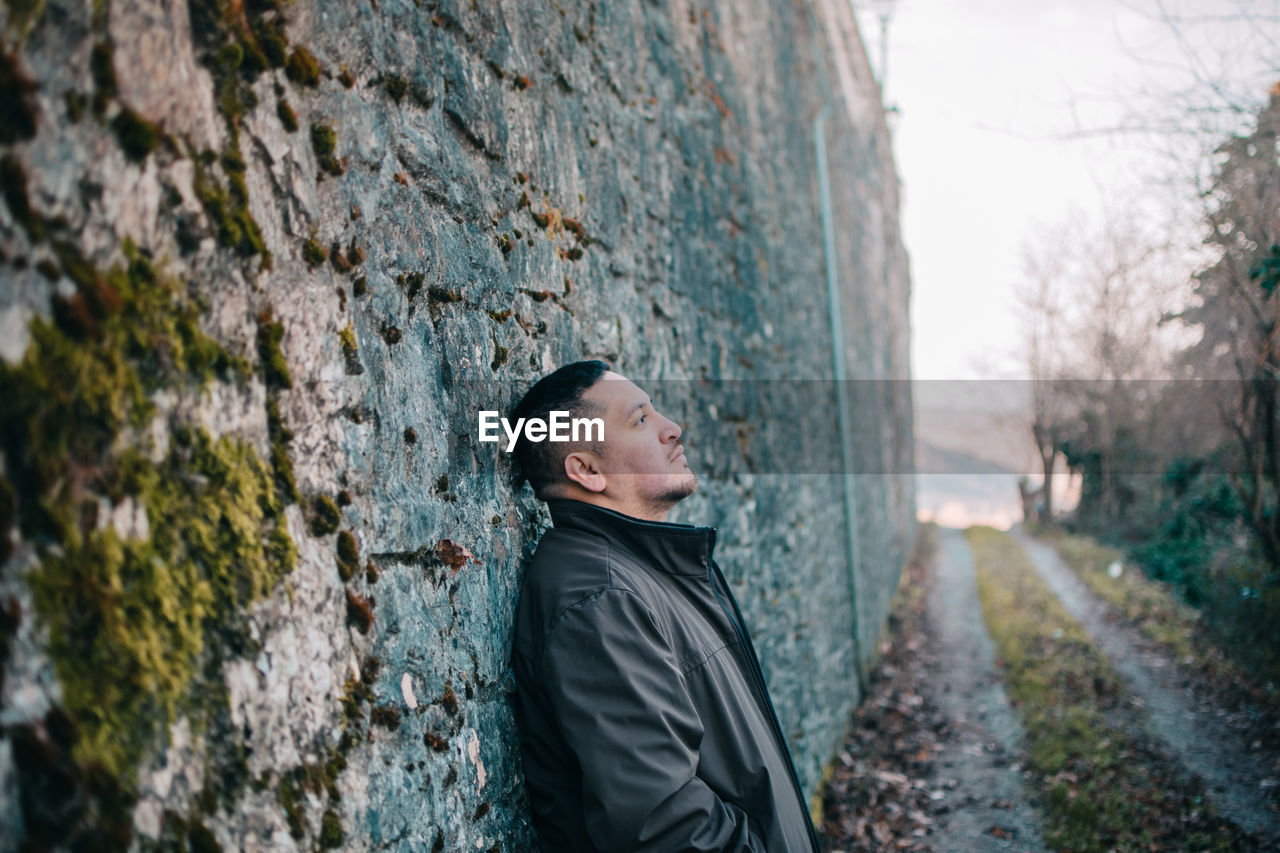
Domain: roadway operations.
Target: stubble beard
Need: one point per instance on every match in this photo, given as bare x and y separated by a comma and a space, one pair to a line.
675, 494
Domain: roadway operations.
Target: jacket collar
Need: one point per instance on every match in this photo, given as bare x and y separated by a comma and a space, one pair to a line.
677, 549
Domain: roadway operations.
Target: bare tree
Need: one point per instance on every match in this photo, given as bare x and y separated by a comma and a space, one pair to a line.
1091, 301
1040, 293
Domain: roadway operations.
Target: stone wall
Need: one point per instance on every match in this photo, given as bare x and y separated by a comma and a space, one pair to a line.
262, 264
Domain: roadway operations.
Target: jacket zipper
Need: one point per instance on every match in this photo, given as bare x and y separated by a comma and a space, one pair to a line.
762, 689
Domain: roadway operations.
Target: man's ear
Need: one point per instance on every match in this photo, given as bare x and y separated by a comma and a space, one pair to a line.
583, 467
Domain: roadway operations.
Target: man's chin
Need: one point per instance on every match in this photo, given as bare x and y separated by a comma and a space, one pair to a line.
686, 487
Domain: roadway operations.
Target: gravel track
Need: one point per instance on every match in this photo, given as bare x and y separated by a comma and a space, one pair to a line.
1192, 728
989, 809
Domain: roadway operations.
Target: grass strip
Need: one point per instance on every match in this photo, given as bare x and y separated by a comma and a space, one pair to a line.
1149, 605
1177, 629
1101, 787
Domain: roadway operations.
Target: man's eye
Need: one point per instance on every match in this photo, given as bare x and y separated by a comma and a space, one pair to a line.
641, 419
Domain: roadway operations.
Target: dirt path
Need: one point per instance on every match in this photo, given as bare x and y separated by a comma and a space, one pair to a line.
932, 758
988, 808
1195, 732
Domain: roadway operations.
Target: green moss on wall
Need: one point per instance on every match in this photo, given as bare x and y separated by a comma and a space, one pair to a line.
324, 141
313, 253
331, 834
135, 616
319, 778
325, 516
201, 840
288, 118
350, 350
291, 799
239, 41
228, 208
280, 436
348, 556
359, 611
301, 67
130, 619
275, 370
8, 624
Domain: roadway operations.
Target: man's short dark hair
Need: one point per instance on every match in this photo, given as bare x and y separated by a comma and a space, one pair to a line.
542, 463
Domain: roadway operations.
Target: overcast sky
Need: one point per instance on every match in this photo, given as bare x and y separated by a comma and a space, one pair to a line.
987, 92
999, 104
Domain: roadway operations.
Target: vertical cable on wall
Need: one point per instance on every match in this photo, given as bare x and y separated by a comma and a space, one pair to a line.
841, 380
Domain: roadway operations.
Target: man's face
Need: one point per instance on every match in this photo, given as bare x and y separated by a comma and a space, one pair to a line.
642, 460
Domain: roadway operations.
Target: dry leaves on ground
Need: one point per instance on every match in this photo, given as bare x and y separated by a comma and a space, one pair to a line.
883, 791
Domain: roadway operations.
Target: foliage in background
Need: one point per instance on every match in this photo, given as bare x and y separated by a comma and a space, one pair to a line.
1239, 316
1184, 473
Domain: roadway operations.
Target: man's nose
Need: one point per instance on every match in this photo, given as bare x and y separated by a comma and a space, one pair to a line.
670, 430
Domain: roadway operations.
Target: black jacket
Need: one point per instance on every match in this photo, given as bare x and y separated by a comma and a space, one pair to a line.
646, 721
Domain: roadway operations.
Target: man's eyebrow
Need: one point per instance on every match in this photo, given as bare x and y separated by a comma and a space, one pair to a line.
631, 411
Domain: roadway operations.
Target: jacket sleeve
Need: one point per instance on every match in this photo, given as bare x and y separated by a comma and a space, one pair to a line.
622, 706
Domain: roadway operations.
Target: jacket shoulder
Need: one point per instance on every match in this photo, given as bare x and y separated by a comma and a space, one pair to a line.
568, 567
570, 564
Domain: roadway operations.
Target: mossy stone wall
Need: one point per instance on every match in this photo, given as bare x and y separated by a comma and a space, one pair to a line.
262, 263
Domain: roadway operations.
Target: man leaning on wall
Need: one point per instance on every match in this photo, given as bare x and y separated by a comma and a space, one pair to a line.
646, 721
